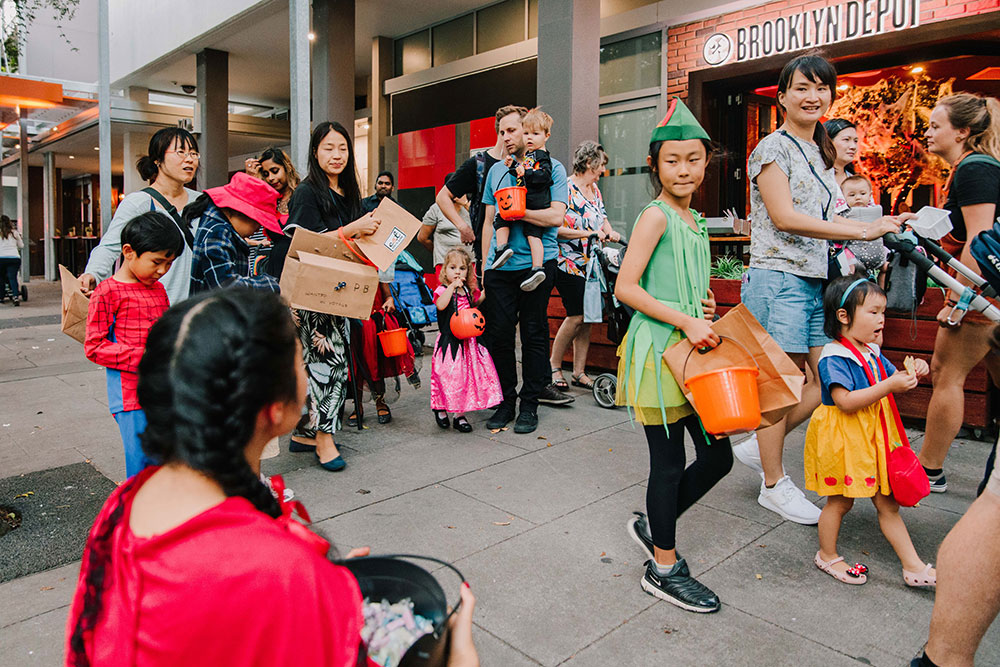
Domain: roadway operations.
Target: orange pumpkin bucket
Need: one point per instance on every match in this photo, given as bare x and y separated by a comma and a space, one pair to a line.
512, 202
393, 342
467, 323
726, 399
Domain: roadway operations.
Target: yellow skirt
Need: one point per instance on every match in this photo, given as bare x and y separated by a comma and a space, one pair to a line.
845, 453
647, 399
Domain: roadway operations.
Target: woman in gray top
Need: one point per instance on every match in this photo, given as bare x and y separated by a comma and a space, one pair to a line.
792, 197
170, 165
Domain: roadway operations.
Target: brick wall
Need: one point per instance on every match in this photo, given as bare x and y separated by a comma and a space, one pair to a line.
685, 42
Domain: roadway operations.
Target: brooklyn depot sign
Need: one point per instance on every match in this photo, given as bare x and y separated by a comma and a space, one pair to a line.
810, 29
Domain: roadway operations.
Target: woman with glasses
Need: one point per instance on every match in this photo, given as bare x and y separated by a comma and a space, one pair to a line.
171, 163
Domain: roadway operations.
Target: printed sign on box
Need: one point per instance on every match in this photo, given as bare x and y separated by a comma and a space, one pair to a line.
323, 275
395, 231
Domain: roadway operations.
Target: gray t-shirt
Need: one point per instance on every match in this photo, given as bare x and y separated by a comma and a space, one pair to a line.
446, 235
813, 193
101, 265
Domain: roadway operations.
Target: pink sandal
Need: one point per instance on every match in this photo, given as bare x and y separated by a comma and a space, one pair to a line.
921, 579
855, 575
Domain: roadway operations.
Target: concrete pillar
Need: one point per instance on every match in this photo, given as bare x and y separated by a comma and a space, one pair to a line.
104, 110
213, 114
50, 209
23, 198
135, 145
333, 62
569, 42
383, 63
298, 75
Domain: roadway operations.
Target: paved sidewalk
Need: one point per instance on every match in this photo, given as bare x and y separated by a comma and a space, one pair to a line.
536, 523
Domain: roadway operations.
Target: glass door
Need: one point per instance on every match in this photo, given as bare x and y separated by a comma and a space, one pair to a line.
624, 132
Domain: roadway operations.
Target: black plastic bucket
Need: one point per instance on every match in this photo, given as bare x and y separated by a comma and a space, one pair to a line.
393, 579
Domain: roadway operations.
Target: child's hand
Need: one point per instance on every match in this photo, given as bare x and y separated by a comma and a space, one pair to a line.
520, 170
902, 382
700, 333
509, 160
921, 368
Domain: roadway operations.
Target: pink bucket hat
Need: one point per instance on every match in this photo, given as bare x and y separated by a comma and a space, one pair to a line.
250, 196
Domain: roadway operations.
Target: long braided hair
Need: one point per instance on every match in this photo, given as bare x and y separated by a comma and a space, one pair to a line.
211, 364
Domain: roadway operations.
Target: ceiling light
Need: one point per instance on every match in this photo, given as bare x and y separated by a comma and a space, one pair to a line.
17, 146
97, 148
312, 37
917, 70
72, 157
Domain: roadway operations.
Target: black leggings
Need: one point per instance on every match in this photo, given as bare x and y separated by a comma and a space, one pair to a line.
673, 488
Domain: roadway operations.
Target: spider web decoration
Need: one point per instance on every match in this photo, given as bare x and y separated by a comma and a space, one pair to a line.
891, 116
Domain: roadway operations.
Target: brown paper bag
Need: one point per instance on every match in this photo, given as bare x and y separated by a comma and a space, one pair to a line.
395, 231
74, 306
780, 380
323, 275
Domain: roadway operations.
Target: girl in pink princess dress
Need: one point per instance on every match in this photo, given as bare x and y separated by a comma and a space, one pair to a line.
463, 377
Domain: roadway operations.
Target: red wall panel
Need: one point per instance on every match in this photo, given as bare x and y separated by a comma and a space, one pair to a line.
482, 133
426, 157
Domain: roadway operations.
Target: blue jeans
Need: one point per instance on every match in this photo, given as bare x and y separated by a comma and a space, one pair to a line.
131, 424
9, 268
789, 307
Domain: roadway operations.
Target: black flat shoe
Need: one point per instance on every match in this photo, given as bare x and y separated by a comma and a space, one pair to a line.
462, 425
443, 422
300, 447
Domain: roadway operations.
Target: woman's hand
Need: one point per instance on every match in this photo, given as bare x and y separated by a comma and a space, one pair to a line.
902, 382
389, 305
887, 224
87, 283
708, 306
366, 225
700, 333
258, 243
463, 651
252, 167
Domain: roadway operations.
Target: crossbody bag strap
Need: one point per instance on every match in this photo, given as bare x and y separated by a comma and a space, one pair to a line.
892, 403
172, 211
809, 164
871, 380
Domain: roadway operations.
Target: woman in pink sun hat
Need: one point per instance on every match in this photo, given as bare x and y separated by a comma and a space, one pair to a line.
226, 216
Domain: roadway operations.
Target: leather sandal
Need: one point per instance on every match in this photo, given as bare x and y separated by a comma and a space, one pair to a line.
921, 579
578, 381
856, 575
560, 384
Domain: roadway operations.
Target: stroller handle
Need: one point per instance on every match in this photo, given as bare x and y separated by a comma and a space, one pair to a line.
908, 247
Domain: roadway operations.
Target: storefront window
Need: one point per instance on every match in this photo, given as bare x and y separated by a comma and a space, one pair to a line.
532, 19
413, 53
625, 187
453, 40
631, 64
499, 25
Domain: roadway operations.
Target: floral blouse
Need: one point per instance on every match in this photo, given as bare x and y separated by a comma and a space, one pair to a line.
814, 192
581, 213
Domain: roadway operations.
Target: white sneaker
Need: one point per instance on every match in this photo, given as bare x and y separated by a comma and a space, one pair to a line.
747, 452
787, 500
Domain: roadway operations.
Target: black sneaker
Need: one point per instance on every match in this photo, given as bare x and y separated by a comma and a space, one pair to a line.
638, 530
536, 278
938, 483
527, 422
679, 588
503, 416
504, 253
552, 396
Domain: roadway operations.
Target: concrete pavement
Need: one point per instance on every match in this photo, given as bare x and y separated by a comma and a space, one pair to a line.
536, 523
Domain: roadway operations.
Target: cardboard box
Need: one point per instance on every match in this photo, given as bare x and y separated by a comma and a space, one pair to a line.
395, 231
74, 306
323, 275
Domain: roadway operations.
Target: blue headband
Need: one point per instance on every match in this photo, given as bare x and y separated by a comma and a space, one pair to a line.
850, 289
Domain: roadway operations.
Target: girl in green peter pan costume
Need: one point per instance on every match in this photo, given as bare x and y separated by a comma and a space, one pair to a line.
664, 277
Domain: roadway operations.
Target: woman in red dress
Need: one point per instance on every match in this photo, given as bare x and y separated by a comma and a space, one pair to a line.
189, 563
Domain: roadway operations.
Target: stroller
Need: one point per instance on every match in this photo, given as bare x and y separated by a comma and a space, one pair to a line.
617, 314
415, 307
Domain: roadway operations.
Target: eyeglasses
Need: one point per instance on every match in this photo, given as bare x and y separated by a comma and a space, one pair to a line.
184, 155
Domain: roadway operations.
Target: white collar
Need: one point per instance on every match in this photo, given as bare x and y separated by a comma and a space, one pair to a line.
838, 349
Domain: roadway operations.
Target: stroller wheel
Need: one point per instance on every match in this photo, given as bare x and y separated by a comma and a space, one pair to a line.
605, 387
24, 293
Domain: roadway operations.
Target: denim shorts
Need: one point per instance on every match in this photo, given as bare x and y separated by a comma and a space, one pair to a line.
789, 307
